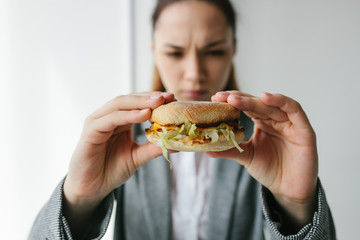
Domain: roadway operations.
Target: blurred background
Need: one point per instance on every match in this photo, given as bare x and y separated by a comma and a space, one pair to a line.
61, 60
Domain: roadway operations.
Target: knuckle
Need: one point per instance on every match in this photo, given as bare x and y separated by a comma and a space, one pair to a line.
119, 98
114, 116
296, 105
88, 120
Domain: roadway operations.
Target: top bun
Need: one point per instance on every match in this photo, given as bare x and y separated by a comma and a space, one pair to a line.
198, 112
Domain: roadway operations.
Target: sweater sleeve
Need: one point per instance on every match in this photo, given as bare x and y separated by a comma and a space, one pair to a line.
52, 224
321, 228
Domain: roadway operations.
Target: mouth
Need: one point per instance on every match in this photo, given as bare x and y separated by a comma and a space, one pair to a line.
194, 94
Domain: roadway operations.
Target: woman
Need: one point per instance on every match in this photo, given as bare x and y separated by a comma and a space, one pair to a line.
271, 188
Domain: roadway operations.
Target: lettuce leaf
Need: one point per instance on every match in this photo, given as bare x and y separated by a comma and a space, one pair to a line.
164, 151
188, 129
179, 137
232, 136
226, 133
211, 133
192, 133
182, 128
169, 135
221, 126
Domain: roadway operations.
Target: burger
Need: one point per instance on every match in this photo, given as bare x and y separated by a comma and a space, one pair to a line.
195, 126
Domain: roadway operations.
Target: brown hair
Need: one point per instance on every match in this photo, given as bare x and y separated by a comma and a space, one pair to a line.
226, 8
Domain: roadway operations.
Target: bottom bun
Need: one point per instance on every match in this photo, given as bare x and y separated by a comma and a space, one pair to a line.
188, 145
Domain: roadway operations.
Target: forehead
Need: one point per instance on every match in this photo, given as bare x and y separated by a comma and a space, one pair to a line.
191, 21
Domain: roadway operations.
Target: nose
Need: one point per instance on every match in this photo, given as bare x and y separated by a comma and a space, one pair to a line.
194, 70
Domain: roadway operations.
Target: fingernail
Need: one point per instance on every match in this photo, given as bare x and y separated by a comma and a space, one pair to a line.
155, 96
238, 97
268, 94
166, 94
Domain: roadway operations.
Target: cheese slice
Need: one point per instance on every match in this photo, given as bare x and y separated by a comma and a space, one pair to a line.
157, 126
227, 127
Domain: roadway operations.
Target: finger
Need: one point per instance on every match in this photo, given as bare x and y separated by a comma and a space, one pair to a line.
255, 108
134, 101
251, 105
165, 94
144, 153
292, 108
119, 118
270, 126
147, 93
234, 92
222, 96
100, 130
122, 128
243, 158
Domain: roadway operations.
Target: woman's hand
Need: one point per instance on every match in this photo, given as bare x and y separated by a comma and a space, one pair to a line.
282, 153
106, 155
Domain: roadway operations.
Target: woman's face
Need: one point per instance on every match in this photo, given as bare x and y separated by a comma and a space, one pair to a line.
193, 50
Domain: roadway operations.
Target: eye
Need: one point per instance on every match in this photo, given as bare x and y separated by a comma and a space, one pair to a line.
176, 54
216, 53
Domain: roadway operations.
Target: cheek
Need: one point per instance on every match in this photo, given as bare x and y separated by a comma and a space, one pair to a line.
169, 73
219, 74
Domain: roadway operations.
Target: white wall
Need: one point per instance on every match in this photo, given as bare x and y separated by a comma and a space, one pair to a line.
59, 60
308, 50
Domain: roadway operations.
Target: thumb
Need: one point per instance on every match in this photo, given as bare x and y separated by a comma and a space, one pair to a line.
243, 158
144, 153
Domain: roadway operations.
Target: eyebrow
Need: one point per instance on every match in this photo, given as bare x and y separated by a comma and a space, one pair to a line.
210, 45
173, 46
